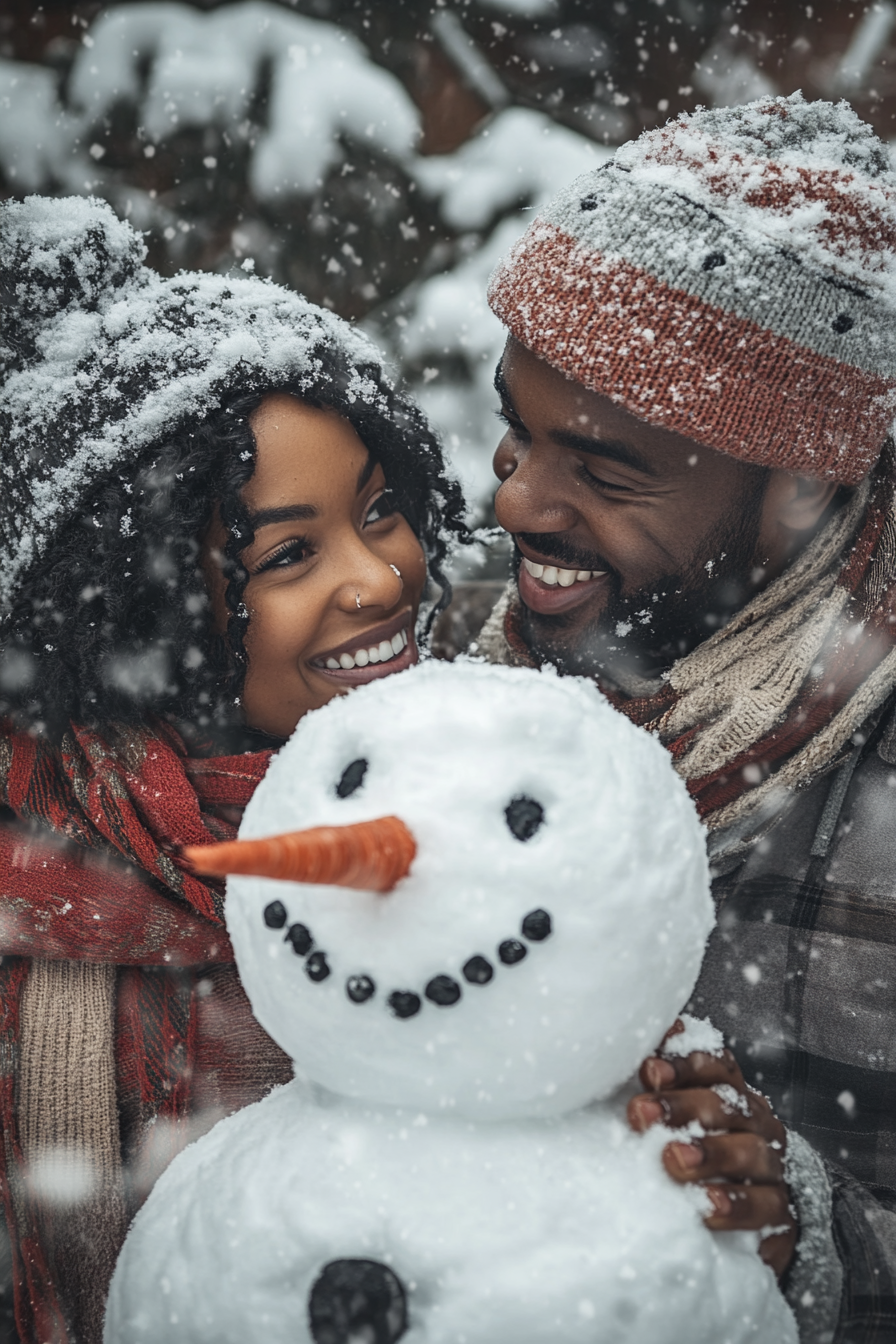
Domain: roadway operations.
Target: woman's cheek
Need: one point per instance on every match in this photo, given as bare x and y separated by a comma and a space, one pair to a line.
281, 625
412, 565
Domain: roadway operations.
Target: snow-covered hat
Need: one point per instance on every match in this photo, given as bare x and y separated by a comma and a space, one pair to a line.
100, 357
730, 276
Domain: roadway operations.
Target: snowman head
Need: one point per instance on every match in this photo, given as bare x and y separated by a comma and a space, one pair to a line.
553, 912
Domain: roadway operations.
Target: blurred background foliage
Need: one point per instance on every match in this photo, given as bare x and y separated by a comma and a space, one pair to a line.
380, 157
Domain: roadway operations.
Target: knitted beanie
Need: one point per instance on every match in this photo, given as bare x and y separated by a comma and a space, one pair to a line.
100, 357
730, 276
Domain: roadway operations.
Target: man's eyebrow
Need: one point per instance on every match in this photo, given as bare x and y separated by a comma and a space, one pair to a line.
500, 381
614, 449
286, 513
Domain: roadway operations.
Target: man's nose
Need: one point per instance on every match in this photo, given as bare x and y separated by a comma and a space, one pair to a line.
531, 496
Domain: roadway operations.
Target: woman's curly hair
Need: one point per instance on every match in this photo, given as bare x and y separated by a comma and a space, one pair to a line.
114, 623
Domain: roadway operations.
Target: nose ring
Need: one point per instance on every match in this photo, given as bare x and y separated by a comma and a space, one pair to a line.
358, 601
395, 570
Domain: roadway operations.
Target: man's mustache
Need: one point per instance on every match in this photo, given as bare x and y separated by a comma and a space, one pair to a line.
555, 546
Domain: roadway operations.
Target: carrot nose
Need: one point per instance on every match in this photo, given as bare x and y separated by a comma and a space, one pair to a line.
369, 855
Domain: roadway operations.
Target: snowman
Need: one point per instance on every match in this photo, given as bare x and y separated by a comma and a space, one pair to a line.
472, 900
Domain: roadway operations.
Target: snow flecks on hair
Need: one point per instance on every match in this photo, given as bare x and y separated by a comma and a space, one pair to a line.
125, 401
102, 357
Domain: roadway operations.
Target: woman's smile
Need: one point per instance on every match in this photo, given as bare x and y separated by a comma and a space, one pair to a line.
376, 652
335, 571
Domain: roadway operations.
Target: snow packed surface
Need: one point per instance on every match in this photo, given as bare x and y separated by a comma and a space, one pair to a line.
464, 1146
699, 1035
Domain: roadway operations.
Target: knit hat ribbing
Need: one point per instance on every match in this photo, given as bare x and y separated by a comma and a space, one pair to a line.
730, 276
100, 357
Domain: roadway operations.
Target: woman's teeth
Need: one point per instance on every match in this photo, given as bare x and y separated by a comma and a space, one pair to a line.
553, 574
377, 653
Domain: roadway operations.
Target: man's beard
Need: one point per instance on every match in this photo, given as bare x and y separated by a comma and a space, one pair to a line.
641, 633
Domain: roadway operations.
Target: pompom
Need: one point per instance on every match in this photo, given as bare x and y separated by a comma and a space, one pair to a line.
55, 254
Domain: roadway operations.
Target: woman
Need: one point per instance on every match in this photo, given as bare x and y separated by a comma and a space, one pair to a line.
216, 515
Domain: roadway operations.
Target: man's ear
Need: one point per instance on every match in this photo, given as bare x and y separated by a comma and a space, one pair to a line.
796, 504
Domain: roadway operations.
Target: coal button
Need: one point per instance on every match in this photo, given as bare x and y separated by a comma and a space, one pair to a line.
317, 967
360, 988
404, 1003
301, 939
478, 971
511, 952
442, 990
536, 926
275, 915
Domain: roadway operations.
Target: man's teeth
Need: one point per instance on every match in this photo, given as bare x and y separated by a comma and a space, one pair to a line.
377, 653
553, 574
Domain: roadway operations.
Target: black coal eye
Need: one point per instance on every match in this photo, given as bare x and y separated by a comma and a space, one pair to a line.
352, 778
524, 816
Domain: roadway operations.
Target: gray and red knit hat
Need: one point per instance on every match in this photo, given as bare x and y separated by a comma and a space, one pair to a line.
730, 276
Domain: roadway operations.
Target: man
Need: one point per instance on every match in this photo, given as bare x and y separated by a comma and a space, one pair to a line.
698, 387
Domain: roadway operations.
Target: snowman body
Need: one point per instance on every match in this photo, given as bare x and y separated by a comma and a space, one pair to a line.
454, 1138
554, 1231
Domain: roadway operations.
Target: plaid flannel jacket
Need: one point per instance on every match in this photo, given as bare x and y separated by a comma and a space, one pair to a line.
800, 975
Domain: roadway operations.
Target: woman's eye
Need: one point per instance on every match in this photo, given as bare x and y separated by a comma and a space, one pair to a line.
292, 553
382, 507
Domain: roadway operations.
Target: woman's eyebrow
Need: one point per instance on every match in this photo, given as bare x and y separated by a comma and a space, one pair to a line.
286, 513
303, 513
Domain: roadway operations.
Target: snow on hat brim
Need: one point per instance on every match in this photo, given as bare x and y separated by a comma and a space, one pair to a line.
117, 357
744, 302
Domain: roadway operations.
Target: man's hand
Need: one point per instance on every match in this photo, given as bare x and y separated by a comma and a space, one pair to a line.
742, 1153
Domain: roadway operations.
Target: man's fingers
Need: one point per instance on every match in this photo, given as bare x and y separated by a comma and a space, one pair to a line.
777, 1250
695, 1070
734, 1157
679, 1109
748, 1207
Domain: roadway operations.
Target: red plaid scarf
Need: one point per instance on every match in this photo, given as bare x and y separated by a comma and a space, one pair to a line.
90, 872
